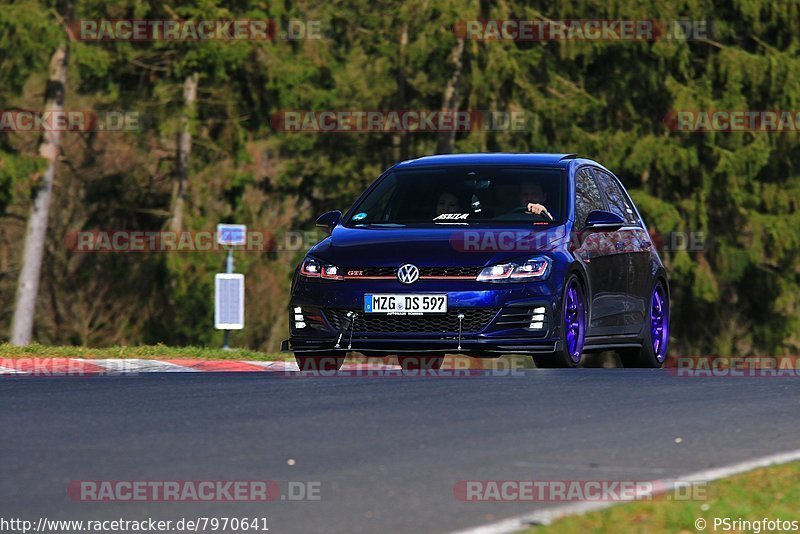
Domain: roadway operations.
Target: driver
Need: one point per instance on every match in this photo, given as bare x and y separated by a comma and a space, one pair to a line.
533, 196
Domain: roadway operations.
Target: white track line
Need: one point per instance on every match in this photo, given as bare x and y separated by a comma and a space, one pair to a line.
548, 515
10, 371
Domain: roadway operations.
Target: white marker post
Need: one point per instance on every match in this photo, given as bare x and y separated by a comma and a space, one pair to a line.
228, 286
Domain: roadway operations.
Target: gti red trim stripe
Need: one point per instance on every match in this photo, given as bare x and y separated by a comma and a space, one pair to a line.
370, 278
447, 277
421, 278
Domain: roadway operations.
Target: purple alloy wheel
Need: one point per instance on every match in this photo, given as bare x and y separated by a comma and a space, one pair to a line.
659, 323
574, 320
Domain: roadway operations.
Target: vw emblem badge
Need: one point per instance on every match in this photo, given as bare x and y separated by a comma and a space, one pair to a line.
408, 273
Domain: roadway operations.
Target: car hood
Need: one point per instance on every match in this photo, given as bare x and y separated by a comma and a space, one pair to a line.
441, 246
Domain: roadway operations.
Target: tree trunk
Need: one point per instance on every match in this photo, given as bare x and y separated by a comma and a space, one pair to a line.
184, 151
447, 139
402, 139
36, 232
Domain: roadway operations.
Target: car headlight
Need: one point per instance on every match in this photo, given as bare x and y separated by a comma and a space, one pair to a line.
313, 268
517, 271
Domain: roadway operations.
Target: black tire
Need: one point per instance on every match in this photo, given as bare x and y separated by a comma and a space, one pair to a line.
562, 357
646, 357
415, 363
323, 361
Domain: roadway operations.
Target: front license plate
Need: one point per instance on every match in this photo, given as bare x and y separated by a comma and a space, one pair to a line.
403, 303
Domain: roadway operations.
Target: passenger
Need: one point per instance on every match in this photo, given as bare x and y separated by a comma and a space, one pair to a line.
447, 203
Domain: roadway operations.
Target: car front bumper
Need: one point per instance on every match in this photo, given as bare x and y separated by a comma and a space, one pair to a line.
497, 319
469, 346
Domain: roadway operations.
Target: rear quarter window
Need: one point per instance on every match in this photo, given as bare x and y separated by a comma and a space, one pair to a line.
616, 198
587, 196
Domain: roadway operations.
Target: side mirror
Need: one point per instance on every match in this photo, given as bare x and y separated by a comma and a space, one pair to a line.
329, 220
604, 221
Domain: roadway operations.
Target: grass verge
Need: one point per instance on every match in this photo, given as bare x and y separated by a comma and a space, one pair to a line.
772, 493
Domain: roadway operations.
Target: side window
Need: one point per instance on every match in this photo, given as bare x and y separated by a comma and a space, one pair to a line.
587, 197
617, 200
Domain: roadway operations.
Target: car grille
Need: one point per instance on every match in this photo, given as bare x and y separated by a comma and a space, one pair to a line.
450, 271
475, 320
423, 271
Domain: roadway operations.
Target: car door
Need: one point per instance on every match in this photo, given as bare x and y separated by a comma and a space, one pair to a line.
604, 265
632, 243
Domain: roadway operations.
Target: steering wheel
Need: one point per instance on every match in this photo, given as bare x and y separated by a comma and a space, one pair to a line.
524, 209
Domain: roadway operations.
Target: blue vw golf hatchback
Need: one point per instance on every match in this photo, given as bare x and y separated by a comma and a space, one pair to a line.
483, 255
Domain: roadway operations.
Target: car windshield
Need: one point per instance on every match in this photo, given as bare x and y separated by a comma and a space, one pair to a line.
463, 196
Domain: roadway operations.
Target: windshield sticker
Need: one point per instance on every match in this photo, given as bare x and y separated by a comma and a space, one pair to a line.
451, 216
359, 216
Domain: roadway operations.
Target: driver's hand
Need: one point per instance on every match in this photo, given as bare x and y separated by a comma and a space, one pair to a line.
538, 209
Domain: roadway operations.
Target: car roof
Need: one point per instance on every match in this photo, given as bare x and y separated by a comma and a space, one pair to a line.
571, 162
496, 158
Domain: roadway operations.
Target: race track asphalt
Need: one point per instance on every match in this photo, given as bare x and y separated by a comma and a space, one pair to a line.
386, 451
